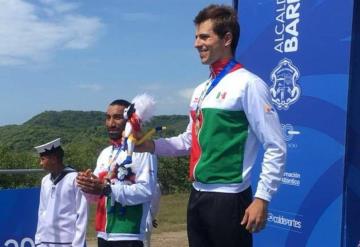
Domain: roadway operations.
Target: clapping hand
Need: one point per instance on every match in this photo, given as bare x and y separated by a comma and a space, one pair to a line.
89, 183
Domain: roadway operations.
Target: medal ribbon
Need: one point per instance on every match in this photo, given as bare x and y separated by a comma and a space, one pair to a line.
115, 157
213, 84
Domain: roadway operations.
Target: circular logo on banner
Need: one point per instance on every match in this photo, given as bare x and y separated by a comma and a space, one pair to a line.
284, 90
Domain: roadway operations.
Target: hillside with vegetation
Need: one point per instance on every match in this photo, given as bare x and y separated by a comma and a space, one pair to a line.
83, 136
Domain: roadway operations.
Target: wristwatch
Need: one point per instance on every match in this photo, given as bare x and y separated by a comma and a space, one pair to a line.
106, 189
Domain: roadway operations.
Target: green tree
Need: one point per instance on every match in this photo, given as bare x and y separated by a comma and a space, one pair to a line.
173, 174
83, 136
15, 160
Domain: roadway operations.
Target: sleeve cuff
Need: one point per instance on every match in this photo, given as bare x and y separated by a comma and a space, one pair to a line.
263, 195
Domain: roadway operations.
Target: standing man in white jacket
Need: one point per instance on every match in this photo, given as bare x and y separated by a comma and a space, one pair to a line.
123, 197
230, 117
63, 209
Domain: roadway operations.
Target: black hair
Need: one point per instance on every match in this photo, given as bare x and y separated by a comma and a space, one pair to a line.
121, 102
58, 152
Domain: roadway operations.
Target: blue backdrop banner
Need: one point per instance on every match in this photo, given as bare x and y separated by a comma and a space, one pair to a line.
352, 171
18, 214
302, 50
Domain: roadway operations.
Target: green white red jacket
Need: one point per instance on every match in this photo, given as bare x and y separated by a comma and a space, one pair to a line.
236, 117
136, 198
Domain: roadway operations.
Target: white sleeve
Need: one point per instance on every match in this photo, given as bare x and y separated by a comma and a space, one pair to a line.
175, 146
82, 218
155, 201
141, 191
40, 212
264, 122
99, 161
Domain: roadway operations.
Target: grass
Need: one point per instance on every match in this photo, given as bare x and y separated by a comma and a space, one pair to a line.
172, 213
171, 217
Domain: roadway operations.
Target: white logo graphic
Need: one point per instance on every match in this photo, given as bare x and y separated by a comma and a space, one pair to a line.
285, 220
284, 90
23, 243
287, 21
291, 178
289, 132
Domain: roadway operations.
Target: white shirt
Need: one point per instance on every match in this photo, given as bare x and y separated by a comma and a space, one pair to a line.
62, 217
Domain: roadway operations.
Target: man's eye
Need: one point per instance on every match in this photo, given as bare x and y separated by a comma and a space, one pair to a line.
118, 117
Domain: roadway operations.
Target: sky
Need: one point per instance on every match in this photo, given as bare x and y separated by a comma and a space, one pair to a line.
80, 55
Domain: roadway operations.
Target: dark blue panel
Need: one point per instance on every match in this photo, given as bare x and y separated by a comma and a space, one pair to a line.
18, 214
352, 187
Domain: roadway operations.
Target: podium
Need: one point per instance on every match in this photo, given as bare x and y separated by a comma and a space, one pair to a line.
308, 52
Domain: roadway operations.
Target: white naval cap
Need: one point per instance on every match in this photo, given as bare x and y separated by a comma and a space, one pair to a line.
49, 147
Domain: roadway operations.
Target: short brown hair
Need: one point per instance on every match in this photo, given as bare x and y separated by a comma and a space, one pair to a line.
224, 20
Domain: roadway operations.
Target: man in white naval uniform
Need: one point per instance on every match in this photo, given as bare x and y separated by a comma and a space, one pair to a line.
63, 209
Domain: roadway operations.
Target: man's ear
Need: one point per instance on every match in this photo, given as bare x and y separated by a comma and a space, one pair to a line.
228, 39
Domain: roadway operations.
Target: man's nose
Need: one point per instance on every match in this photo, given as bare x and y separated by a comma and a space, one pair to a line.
111, 122
197, 43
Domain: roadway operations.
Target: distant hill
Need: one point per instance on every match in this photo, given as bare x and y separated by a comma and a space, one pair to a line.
175, 124
67, 119
73, 127
83, 136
